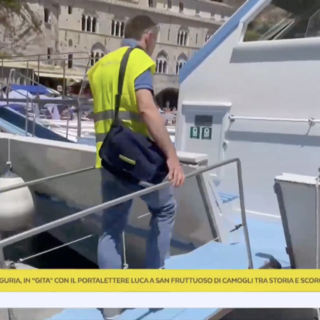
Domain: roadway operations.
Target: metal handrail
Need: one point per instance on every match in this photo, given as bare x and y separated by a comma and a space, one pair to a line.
310, 120
87, 212
39, 84
27, 101
52, 126
15, 72
9, 85
55, 57
45, 55
69, 101
45, 59
79, 99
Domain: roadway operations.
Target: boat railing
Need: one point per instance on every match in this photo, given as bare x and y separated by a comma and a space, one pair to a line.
28, 100
98, 208
12, 74
47, 60
65, 100
78, 101
54, 59
310, 121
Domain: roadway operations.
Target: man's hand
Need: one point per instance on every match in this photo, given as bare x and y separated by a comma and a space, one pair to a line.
176, 174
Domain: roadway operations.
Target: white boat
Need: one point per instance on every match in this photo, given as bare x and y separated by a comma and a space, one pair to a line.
259, 103
61, 197
51, 117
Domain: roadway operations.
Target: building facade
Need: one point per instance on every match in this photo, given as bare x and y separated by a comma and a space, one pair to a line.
85, 30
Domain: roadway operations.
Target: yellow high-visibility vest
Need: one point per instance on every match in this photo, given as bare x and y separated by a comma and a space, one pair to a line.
103, 78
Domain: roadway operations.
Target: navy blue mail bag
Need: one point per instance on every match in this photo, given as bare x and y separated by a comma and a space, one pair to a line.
129, 155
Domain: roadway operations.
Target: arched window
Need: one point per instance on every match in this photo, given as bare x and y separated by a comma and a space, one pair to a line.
47, 18
92, 58
83, 23
122, 29
70, 43
49, 53
117, 28
113, 27
70, 61
182, 37
94, 24
97, 57
162, 63
181, 7
89, 25
182, 59
98, 50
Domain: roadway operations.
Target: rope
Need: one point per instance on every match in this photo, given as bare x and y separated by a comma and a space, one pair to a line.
317, 232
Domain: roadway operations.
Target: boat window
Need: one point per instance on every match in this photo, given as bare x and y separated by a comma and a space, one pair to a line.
283, 19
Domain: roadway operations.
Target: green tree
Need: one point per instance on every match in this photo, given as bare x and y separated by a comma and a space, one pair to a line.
19, 24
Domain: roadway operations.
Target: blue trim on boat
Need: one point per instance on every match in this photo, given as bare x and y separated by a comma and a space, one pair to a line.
32, 89
220, 36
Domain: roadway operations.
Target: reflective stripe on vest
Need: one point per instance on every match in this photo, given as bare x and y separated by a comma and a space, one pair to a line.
109, 115
123, 115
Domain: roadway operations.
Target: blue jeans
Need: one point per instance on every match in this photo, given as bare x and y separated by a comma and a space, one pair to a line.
162, 207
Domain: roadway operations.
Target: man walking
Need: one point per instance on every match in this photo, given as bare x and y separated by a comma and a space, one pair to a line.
137, 104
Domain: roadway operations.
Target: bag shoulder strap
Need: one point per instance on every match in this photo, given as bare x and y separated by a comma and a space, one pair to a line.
122, 72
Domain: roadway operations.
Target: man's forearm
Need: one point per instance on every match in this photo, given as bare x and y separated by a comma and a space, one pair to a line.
159, 132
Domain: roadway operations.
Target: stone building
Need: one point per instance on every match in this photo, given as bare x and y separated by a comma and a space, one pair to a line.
85, 30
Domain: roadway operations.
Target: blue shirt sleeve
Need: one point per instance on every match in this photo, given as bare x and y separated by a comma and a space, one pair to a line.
144, 81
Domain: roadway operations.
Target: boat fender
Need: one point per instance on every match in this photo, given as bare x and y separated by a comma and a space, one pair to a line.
17, 206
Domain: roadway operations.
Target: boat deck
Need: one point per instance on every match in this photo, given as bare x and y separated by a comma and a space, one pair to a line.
267, 240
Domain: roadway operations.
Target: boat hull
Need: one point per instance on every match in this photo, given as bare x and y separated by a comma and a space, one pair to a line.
34, 158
